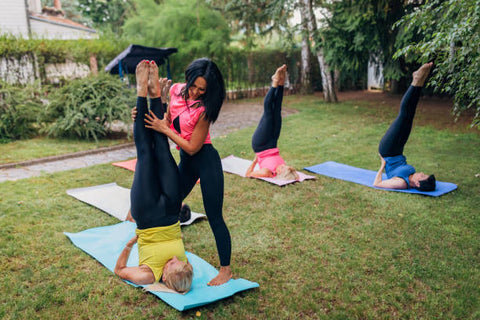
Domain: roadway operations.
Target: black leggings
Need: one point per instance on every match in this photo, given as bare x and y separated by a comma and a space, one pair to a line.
268, 130
207, 166
155, 195
397, 135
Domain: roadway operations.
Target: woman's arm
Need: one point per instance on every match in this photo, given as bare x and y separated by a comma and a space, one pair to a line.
393, 183
250, 168
197, 139
139, 275
261, 173
378, 177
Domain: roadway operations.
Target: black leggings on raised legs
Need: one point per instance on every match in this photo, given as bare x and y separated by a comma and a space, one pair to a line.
268, 130
155, 195
396, 137
207, 166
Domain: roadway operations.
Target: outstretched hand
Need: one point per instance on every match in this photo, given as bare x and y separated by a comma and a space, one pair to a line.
153, 122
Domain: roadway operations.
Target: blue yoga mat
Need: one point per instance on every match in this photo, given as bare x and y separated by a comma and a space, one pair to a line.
106, 243
366, 177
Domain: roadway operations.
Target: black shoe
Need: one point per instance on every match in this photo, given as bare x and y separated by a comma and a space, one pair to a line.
185, 213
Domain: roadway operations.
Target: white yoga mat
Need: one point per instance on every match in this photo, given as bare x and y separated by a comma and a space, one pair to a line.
239, 166
114, 200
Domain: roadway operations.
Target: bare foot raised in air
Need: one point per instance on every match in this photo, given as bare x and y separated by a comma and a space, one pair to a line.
153, 83
223, 276
278, 79
141, 74
165, 85
421, 74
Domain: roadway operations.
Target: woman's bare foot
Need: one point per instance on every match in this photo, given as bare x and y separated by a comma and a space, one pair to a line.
421, 75
165, 90
278, 79
141, 74
153, 83
222, 277
161, 84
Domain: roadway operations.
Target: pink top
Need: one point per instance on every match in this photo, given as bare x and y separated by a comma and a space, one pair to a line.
188, 116
270, 159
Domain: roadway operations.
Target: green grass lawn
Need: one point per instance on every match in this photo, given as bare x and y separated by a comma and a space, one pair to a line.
39, 147
324, 249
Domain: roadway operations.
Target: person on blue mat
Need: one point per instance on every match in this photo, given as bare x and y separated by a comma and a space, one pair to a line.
155, 199
193, 107
400, 174
265, 137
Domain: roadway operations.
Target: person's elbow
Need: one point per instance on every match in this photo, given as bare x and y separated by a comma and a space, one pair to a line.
192, 150
119, 272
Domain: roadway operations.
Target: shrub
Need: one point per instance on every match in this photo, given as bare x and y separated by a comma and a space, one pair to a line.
83, 108
19, 110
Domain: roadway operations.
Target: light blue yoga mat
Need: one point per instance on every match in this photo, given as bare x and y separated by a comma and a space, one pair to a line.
106, 243
366, 177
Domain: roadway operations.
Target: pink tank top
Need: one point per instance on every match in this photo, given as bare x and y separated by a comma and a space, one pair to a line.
270, 159
188, 116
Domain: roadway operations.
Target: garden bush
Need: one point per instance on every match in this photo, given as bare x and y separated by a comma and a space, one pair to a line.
19, 110
84, 108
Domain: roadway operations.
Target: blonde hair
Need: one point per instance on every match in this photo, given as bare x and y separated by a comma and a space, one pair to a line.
289, 173
180, 280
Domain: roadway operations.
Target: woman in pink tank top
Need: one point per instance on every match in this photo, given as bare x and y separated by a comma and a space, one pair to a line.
264, 140
194, 105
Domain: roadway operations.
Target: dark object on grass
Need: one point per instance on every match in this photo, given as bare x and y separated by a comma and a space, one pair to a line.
126, 62
185, 213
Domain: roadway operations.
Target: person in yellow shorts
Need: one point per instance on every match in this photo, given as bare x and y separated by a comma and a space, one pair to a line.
155, 199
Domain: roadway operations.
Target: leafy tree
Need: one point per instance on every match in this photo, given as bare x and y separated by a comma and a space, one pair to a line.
449, 33
106, 14
252, 18
252, 21
309, 21
192, 26
360, 31
72, 11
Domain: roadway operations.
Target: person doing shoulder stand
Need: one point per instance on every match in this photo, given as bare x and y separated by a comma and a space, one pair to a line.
400, 174
194, 105
155, 199
265, 137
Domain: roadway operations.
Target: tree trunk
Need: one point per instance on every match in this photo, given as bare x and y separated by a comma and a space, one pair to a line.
305, 82
336, 79
93, 64
251, 68
328, 84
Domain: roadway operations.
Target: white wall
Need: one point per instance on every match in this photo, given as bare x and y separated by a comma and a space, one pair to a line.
15, 71
70, 70
35, 6
13, 18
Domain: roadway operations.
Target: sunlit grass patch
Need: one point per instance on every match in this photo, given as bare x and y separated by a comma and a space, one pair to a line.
319, 249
